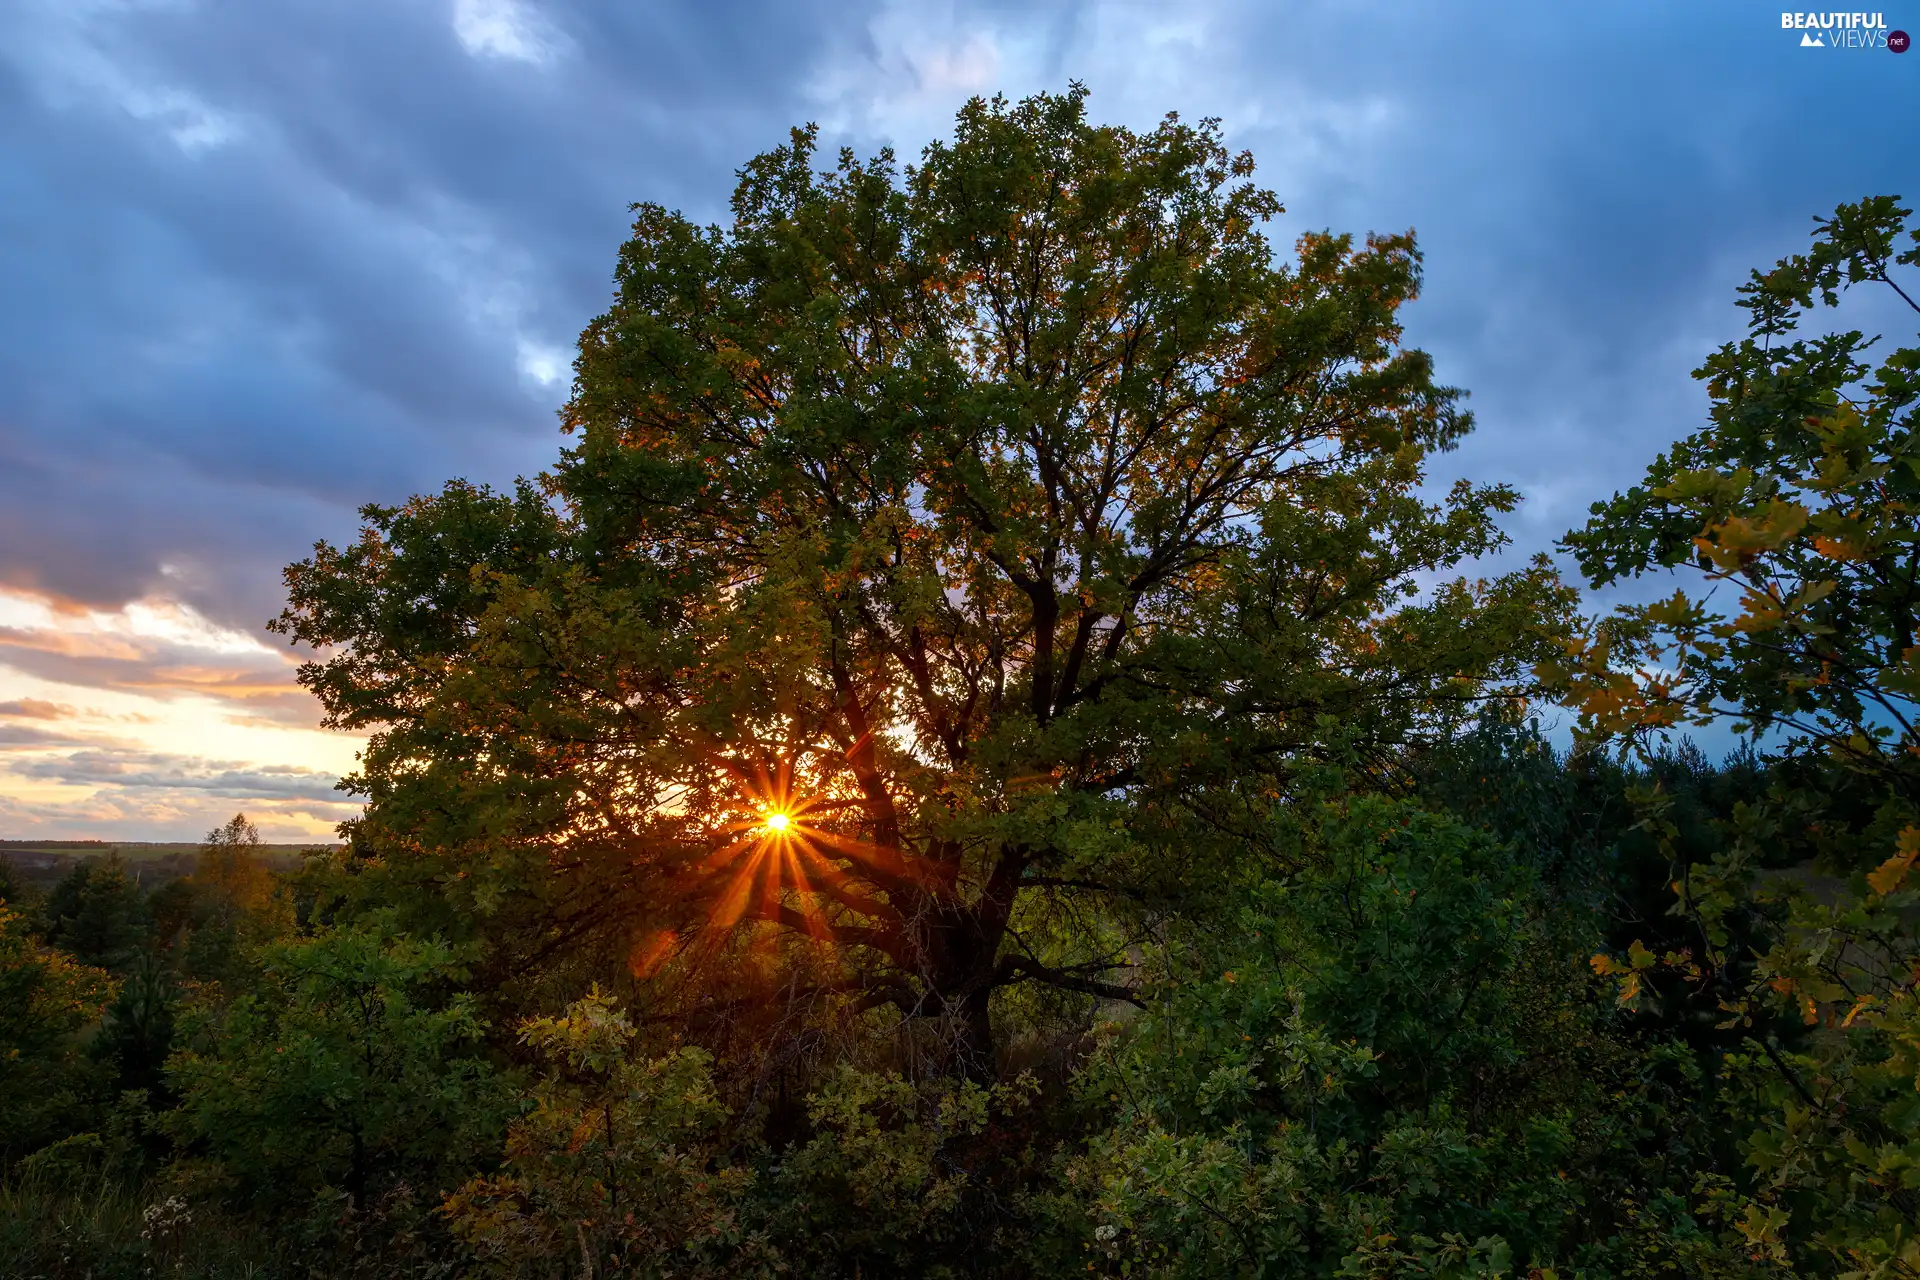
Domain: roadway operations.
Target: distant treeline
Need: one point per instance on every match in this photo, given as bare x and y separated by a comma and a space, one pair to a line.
56, 844
43, 863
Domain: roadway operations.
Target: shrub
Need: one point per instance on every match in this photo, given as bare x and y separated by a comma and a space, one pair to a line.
355, 1063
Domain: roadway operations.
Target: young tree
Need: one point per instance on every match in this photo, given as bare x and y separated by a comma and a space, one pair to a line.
136, 1033
98, 915
45, 1000
953, 560
227, 902
1800, 502
349, 1063
228, 871
14, 887
1391, 1063
617, 1156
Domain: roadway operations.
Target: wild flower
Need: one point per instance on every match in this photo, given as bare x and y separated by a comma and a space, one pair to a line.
165, 1220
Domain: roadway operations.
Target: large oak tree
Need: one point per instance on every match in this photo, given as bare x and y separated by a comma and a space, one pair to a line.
953, 565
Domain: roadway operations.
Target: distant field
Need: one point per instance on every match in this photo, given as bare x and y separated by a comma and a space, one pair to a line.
137, 850
41, 864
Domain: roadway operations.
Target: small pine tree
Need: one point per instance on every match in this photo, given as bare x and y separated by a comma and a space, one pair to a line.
98, 915
137, 1032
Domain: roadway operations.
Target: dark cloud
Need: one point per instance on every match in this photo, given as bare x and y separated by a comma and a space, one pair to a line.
134, 769
25, 736
262, 263
265, 263
1590, 184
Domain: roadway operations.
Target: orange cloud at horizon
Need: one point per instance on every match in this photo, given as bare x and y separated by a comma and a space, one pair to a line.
152, 722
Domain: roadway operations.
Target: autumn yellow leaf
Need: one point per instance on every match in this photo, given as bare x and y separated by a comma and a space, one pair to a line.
1837, 549
1891, 873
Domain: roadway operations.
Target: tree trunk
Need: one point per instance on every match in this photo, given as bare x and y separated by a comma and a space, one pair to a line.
962, 947
357, 1172
973, 1038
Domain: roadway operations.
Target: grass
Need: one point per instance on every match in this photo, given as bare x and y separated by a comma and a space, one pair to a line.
103, 1229
95, 1231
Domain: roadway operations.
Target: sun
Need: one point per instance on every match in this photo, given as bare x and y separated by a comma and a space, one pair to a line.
777, 822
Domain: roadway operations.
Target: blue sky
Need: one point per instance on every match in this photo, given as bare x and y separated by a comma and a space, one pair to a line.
263, 262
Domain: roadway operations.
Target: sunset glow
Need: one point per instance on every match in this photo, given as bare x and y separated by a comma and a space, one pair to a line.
153, 722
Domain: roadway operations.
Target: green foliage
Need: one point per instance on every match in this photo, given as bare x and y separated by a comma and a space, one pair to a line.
1016, 521
629, 1164
171, 906
1801, 495
97, 914
353, 1062
114, 1230
618, 1161
897, 1176
231, 902
93, 1159
14, 887
1580, 820
1385, 1065
46, 1000
228, 870
136, 1034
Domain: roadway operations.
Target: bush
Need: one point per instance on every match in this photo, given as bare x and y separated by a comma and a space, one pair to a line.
46, 1001
354, 1064
619, 1161
1390, 1063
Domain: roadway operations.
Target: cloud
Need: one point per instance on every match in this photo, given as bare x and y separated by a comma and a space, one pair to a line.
506, 29
336, 254
15, 736
131, 769
36, 709
157, 669
154, 649
545, 364
186, 818
270, 262
911, 65
67, 49
138, 793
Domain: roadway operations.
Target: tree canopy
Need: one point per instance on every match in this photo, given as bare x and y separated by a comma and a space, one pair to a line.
953, 561
1801, 500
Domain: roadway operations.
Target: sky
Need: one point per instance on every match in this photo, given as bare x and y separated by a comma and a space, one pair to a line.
263, 262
